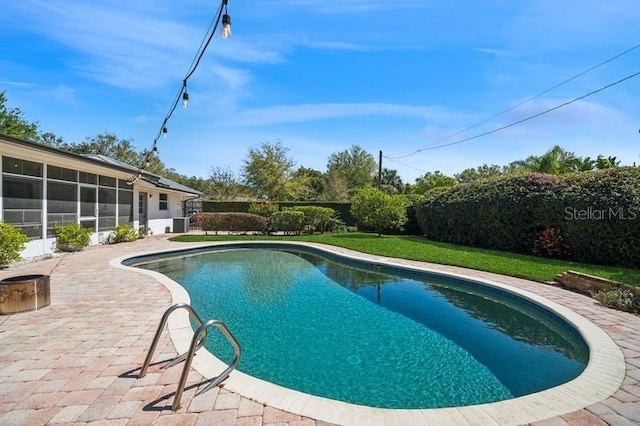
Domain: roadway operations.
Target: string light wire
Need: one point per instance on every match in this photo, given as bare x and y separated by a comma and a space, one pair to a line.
182, 91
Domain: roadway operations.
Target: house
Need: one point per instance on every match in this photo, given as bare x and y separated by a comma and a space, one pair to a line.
42, 186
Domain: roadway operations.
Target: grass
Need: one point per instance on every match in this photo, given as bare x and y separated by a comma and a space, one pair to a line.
417, 248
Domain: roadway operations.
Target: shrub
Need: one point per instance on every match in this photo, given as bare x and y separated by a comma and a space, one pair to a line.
143, 232
597, 215
550, 242
12, 242
342, 208
412, 227
336, 225
263, 209
72, 237
232, 222
123, 234
621, 299
377, 210
290, 222
316, 218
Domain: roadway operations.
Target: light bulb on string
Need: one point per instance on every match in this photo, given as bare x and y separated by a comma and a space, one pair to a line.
226, 26
221, 16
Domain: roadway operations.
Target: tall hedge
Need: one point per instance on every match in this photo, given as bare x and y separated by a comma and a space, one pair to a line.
589, 217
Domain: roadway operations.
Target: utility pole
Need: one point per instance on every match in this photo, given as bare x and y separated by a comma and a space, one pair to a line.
380, 171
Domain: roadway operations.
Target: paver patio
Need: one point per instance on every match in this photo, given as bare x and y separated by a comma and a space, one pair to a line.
76, 361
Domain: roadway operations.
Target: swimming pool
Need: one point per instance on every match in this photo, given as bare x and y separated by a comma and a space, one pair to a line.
406, 360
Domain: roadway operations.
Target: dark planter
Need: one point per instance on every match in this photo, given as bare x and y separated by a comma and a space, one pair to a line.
24, 293
68, 247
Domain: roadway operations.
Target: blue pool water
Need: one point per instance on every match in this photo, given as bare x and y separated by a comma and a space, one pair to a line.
373, 335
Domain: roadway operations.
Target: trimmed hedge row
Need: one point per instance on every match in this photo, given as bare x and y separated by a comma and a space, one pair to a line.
231, 222
343, 209
588, 217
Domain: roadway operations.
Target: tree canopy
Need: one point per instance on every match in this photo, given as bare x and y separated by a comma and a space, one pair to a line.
433, 180
268, 172
13, 123
356, 165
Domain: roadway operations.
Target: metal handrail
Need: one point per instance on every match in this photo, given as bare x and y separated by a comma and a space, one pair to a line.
163, 322
198, 340
192, 350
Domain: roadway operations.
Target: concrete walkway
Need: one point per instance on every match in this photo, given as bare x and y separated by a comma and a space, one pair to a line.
76, 361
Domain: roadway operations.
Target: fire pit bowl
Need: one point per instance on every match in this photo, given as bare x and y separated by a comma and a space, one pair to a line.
24, 293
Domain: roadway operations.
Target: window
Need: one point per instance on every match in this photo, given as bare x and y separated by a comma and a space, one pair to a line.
21, 167
125, 207
22, 204
108, 181
106, 209
89, 178
164, 202
123, 184
60, 173
62, 205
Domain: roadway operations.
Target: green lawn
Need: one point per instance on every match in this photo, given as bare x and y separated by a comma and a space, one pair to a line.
417, 248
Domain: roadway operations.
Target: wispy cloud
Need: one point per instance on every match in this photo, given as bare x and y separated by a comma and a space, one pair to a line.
543, 25
21, 84
125, 47
495, 52
338, 45
352, 6
279, 114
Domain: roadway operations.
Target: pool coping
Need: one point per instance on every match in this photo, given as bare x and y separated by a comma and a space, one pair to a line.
602, 377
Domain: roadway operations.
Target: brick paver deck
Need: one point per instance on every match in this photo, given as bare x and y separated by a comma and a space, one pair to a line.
76, 361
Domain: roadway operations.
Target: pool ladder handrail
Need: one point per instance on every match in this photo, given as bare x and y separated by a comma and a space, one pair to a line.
199, 337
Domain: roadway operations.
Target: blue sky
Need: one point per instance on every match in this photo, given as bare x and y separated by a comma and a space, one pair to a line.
322, 76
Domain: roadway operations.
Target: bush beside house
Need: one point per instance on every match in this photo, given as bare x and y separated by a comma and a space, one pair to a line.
12, 242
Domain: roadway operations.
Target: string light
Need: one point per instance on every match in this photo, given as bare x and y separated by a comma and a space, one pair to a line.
182, 92
185, 95
226, 26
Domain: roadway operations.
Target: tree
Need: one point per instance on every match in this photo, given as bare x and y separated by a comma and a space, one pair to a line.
603, 162
223, 184
109, 145
481, 172
310, 183
390, 182
14, 124
582, 164
51, 139
555, 161
335, 187
375, 209
433, 180
357, 166
268, 172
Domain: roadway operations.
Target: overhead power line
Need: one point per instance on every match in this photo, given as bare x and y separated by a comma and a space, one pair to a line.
515, 123
531, 117
520, 103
